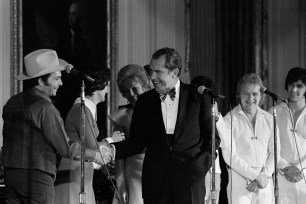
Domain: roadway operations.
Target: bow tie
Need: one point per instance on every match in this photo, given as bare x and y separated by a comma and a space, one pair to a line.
170, 92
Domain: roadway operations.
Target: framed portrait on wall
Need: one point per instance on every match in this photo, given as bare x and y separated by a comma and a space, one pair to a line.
83, 33
76, 30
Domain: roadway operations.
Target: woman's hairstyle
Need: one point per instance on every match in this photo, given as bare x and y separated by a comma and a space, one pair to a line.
173, 58
101, 75
250, 78
295, 74
135, 72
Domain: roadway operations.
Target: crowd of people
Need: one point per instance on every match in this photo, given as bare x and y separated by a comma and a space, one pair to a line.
161, 143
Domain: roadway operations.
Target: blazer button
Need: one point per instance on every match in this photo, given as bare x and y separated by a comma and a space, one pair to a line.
171, 148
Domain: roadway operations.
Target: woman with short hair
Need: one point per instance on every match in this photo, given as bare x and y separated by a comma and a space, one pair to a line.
68, 181
132, 80
250, 151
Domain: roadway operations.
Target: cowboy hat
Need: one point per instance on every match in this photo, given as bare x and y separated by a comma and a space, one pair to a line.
41, 62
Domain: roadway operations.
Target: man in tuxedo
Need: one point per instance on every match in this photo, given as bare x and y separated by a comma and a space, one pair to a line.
172, 122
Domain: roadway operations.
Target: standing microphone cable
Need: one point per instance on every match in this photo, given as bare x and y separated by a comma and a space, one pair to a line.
231, 175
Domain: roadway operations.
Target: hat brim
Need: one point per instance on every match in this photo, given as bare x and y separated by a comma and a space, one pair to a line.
48, 70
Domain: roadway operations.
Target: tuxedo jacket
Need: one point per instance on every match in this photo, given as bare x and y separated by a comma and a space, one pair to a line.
189, 150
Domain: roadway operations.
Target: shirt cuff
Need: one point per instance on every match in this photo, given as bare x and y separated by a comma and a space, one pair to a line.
282, 163
299, 166
109, 140
253, 174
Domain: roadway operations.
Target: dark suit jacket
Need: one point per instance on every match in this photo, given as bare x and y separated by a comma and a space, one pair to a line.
189, 151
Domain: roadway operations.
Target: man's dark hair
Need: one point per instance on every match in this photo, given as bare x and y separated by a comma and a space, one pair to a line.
101, 75
30, 83
173, 58
295, 74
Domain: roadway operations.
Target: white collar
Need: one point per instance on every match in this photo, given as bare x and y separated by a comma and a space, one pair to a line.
177, 86
92, 107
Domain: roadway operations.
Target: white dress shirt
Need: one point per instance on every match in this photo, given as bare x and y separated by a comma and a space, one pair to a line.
90, 105
170, 109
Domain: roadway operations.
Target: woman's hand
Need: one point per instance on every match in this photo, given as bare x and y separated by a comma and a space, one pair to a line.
118, 136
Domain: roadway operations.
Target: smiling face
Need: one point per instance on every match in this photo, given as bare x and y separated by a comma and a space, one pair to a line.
250, 97
52, 84
296, 91
131, 90
162, 77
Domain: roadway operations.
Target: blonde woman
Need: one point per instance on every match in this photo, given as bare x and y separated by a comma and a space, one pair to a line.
132, 80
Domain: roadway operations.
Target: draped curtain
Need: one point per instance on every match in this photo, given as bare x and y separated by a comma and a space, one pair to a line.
226, 41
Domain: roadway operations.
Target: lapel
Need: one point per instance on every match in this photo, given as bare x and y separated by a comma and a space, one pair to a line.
157, 110
160, 129
181, 109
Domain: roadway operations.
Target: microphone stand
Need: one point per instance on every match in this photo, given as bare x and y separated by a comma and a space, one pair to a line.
276, 189
213, 152
82, 195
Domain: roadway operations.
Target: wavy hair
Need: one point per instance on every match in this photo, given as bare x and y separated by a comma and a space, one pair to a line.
101, 75
173, 58
250, 78
133, 71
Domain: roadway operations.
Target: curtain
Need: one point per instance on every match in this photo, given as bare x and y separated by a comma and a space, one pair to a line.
226, 42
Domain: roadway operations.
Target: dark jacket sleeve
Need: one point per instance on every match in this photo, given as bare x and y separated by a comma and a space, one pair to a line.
135, 144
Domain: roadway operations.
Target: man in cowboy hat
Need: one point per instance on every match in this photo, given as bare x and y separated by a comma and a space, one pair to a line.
33, 133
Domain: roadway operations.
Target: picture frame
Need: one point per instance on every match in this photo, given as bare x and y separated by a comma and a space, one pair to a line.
34, 25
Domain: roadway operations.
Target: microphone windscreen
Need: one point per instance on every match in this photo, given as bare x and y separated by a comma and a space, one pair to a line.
201, 89
263, 89
68, 68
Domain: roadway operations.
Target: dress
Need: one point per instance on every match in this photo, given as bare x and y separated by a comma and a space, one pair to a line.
67, 185
252, 151
291, 149
130, 176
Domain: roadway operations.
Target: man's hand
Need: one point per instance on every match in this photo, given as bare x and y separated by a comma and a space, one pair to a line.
253, 187
262, 180
292, 174
104, 156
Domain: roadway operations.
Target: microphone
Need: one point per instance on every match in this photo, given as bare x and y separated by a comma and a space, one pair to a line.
273, 95
208, 91
71, 70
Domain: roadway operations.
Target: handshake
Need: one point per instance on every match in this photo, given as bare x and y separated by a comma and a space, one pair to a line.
105, 155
